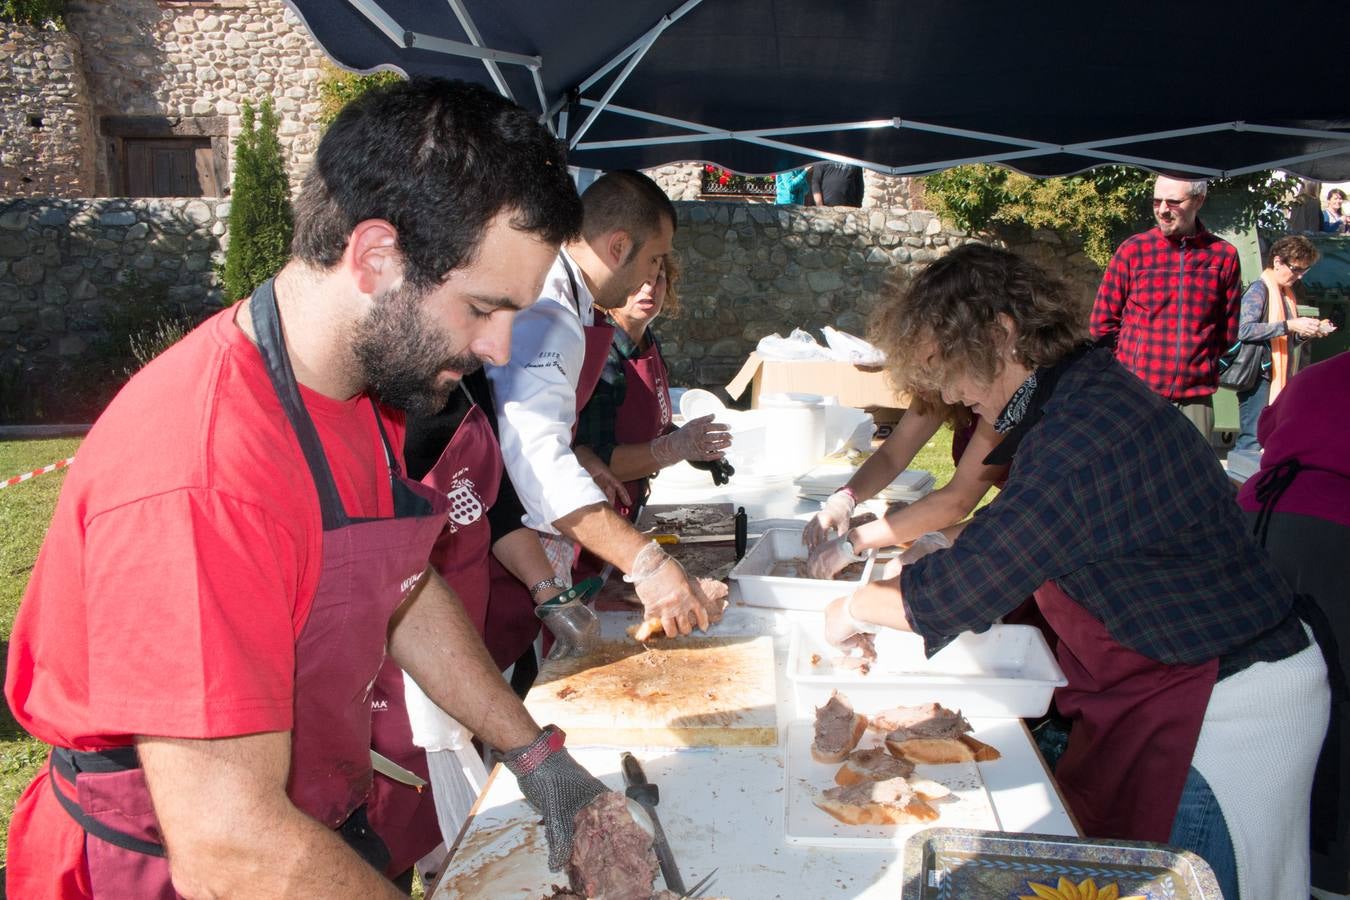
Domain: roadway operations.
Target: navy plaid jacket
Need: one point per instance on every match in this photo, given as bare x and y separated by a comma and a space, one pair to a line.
1117, 498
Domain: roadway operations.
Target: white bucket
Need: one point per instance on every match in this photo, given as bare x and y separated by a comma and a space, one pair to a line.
794, 431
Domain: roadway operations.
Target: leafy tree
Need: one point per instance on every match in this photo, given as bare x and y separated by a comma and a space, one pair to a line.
260, 208
49, 14
338, 87
1102, 207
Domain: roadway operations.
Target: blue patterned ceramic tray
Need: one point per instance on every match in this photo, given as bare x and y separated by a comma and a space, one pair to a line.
965, 864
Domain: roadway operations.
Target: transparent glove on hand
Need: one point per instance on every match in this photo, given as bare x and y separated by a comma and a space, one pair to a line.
923, 545
574, 626
833, 517
697, 439
667, 593
827, 559
556, 786
840, 624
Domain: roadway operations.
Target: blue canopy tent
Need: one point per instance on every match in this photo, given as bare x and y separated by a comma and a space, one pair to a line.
911, 87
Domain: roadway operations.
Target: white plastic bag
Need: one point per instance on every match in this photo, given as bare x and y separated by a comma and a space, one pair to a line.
849, 348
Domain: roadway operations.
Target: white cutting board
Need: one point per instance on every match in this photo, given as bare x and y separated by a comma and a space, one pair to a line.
968, 806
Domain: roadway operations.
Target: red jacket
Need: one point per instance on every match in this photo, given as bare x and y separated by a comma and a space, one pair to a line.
1171, 304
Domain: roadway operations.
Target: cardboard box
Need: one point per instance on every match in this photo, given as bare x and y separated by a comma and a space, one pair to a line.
860, 388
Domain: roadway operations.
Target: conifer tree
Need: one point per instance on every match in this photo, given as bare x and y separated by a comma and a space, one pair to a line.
260, 207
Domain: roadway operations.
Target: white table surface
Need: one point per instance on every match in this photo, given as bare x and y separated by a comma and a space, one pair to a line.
724, 807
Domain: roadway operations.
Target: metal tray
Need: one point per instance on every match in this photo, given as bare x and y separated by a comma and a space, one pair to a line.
953, 863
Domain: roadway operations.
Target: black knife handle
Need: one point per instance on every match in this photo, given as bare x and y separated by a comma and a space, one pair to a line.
742, 532
632, 769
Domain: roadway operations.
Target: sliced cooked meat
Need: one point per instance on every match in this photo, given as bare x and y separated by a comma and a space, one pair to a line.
838, 729
612, 856
872, 765
928, 720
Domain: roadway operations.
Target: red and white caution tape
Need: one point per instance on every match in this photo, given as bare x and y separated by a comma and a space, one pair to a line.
10, 482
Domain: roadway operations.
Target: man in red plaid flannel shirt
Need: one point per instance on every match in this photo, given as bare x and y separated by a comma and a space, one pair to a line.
1169, 300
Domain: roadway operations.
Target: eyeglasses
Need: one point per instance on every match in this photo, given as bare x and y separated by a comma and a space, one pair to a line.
1297, 270
1171, 204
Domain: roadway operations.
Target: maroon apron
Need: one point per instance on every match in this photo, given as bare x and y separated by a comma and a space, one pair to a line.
644, 415
369, 565
1135, 726
468, 474
512, 625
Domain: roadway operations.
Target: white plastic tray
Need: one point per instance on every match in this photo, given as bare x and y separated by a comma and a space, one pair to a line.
758, 588
968, 806
1007, 671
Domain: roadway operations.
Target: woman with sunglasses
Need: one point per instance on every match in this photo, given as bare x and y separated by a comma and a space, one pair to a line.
1270, 317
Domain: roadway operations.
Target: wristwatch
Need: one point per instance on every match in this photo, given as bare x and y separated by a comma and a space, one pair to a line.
547, 583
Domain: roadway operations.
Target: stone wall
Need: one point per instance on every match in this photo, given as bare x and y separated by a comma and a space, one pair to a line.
681, 181
47, 123
754, 269
65, 267
144, 68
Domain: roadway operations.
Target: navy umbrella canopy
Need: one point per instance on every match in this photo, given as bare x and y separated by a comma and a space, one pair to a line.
903, 87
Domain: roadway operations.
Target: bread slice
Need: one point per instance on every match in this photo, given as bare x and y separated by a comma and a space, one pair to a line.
941, 750
838, 730
888, 802
872, 765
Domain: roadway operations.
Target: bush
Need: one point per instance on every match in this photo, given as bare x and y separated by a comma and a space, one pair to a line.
260, 205
48, 14
1101, 207
338, 87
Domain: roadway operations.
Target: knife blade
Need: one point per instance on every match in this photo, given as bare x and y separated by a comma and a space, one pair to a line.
647, 795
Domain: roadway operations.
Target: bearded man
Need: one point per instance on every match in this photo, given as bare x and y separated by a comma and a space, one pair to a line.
238, 548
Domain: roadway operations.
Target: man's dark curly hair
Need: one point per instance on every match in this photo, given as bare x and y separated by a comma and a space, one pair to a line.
438, 160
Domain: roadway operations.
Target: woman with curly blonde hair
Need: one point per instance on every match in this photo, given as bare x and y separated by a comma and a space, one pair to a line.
1188, 668
832, 543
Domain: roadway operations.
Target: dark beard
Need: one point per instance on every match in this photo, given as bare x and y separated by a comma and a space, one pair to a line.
401, 357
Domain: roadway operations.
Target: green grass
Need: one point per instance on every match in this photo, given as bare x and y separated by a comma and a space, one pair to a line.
25, 512
936, 457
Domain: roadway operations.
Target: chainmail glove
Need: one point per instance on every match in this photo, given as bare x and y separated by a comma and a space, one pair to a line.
575, 628
556, 786
833, 516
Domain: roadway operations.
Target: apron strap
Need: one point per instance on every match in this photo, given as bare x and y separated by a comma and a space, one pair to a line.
272, 346
65, 764
1269, 489
572, 283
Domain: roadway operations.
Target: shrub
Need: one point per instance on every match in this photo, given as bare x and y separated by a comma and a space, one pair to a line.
1101, 207
260, 206
48, 14
338, 87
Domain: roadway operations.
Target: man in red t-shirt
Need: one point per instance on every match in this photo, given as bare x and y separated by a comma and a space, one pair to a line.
1169, 302
237, 549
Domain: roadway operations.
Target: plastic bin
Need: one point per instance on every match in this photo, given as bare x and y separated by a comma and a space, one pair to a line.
757, 587
1005, 671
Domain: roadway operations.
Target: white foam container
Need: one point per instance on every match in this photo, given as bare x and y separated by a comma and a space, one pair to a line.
755, 587
1006, 671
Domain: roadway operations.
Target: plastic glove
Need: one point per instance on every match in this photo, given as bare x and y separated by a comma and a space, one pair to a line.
556, 786
720, 470
700, 439
923, 545
575, 628
840, 624
827, 559
833, 516
668, 594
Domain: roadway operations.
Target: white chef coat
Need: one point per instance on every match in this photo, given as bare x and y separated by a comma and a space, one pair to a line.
536, 397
